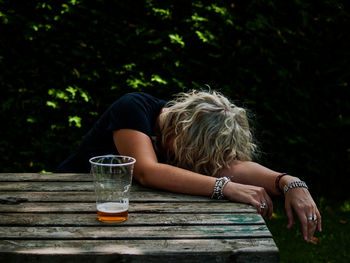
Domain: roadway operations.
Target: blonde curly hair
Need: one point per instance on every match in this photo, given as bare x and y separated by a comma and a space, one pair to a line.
206, 131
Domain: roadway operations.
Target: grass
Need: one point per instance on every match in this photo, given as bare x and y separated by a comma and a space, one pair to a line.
331, 245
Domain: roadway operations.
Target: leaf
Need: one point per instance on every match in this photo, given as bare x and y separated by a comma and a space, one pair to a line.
52, 104
74, 120
197, 18
206, 36
72, 91
158, 79
163, 13
176, 39
31, 120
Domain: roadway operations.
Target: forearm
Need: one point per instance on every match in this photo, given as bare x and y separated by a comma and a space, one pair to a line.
174, 179
252, 173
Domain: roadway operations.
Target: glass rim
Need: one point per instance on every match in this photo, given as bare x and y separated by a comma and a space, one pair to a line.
132, 160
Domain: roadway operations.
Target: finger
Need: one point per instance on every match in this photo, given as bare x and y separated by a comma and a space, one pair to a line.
269, 205
305, 223
304, 227
258, 207
311, 227
266, 209
263, 208
256, 204
319, 221
290, 216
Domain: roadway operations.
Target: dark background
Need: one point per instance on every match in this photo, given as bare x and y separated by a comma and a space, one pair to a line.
62, 63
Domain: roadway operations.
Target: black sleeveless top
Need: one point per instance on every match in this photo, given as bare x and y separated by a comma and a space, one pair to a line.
138, 111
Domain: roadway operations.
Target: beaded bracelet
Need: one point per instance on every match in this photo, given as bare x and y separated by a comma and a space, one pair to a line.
294, 185
277, 182
219, 186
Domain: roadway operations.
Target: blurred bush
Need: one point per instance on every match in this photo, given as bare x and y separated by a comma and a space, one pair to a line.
63, 62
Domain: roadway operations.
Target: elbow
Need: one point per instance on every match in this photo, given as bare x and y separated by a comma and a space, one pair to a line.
232, 169
233, 165
142, 176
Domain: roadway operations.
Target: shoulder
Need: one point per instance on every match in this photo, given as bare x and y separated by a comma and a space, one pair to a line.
136, 103
137, 96
135, 111
139, 100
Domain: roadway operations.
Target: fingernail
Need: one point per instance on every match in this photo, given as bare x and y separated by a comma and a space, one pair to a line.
305, 238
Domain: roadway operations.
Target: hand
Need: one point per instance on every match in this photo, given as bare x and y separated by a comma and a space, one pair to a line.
250, 194
300, 200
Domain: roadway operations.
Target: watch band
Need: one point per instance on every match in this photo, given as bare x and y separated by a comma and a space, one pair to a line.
294, 185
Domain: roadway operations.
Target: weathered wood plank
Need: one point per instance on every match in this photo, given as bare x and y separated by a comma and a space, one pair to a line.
184, 250
47, 186
141, 246
22, 177
136, 196
32, 219
58, 186
161, 207
136, 232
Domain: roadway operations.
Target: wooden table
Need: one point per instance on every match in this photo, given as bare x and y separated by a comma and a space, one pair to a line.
58, 223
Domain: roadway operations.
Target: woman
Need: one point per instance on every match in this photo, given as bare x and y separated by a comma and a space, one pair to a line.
198, 144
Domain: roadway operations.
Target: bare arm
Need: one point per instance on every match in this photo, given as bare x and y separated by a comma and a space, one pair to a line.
255, 174
150, 173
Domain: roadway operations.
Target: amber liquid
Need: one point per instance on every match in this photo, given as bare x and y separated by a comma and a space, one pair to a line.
112, 212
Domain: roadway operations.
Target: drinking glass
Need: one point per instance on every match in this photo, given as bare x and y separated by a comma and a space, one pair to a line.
112, 175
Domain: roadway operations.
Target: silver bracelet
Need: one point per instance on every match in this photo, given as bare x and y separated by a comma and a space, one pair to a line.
294, 185
219, 186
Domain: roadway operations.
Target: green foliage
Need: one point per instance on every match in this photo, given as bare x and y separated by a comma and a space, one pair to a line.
63, 62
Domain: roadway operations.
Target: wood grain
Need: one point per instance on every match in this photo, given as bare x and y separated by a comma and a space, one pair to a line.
160, 207
35, 219
135, 195
117, 232
250, 250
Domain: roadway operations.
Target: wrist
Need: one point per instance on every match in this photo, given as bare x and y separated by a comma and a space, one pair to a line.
285, 180
294, 184
219, 187
228, 189
277, 182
